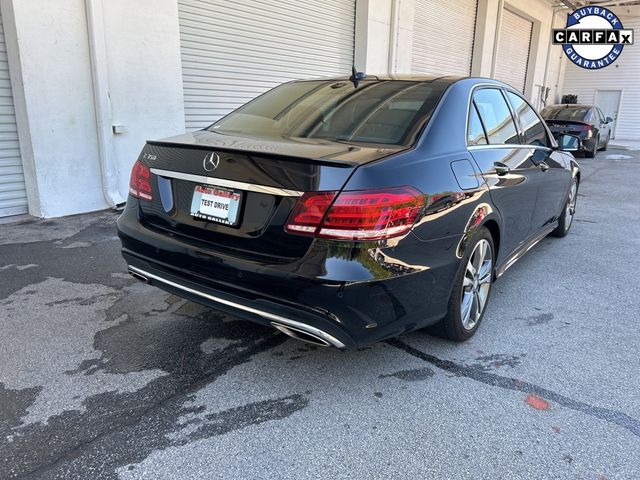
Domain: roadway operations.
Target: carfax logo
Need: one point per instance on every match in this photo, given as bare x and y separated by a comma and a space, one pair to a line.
594, 37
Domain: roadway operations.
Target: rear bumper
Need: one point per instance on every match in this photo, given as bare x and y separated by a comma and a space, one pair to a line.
257, 310
588, 145
369, 298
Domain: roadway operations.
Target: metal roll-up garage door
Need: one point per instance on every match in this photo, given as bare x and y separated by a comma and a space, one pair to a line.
512, 55
234, 51
13, 194
443, 34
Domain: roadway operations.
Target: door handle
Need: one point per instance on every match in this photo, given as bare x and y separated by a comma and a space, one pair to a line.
501, 168
543, 166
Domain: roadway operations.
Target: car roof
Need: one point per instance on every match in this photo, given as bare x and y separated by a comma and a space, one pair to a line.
571, 105
441, 79
405, 77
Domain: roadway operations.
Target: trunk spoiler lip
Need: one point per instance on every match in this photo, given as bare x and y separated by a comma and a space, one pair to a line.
276, 156
568, 122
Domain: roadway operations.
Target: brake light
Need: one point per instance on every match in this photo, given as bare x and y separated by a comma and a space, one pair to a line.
357, 215
140, 183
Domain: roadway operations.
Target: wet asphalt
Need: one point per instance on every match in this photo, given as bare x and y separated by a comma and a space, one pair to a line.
104, 377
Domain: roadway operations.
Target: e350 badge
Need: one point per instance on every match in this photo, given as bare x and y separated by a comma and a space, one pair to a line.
593, 38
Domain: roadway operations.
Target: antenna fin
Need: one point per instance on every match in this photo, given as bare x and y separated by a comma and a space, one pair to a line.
356, 76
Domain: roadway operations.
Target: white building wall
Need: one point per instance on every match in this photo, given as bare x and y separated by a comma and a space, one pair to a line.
373, 35
55, 107
555, 64
58, 117
145, 76
623, 75
58, 97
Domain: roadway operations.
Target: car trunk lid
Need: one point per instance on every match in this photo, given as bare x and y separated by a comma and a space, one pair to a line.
567, 126
255, 182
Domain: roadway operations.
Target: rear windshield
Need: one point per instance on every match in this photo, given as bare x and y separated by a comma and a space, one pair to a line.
378, 112
563, 112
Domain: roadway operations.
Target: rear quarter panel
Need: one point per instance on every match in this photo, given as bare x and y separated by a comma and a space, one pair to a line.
452, 203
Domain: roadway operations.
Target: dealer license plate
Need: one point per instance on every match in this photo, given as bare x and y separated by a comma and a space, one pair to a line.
216, 204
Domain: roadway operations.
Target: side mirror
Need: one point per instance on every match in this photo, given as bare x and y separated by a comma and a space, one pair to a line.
568, 143
501, 168
608, 120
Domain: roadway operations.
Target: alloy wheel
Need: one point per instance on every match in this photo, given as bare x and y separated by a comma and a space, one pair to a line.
476, 284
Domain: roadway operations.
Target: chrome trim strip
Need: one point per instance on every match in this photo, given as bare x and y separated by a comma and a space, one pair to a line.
505, 88
220, 182
269, 316
523, 250
509, 146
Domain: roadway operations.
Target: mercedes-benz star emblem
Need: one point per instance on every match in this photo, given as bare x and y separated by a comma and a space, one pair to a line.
211, 161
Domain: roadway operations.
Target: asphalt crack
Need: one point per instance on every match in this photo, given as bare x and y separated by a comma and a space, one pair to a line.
508, 383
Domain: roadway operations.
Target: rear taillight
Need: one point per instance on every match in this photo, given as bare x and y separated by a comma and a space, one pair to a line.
140, 184
308, 212
587, 128
357, 215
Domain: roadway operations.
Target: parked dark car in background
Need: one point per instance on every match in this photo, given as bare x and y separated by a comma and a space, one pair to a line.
346, 211
585, 121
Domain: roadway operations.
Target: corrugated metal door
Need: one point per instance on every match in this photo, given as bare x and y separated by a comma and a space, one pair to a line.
443, 34
512, 56
13, 194
234, 51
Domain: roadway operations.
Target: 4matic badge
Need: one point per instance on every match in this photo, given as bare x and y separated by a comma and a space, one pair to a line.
593, 38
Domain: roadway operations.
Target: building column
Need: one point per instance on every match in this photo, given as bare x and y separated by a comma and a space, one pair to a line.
384, 36
484, 45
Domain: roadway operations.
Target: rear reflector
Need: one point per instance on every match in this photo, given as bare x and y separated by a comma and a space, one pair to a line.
140, 183
357, 215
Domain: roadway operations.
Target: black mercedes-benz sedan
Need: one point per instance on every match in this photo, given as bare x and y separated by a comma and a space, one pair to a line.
349, 210
584, 121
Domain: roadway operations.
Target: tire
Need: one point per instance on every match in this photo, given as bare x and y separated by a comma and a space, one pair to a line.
592, 153
456, 325
568, 212
606, 144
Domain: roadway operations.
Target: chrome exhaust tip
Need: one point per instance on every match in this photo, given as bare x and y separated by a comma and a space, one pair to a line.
138, 276
302, 335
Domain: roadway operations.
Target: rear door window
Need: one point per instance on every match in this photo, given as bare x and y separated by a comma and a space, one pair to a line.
532, 127
496, 116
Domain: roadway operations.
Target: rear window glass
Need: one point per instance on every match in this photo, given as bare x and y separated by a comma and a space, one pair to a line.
378, 112
563, 112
